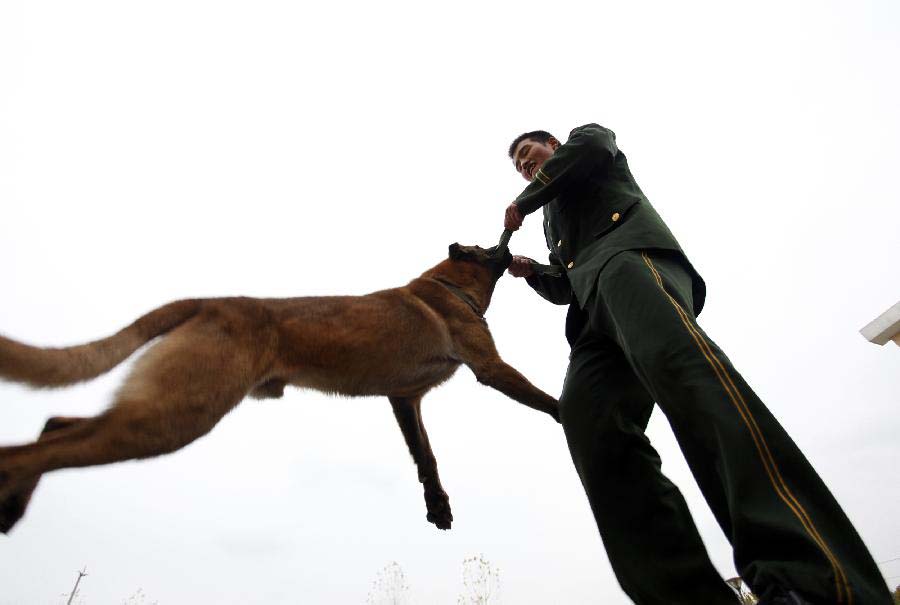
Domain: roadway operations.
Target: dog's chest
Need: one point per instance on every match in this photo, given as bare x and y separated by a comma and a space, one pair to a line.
433, 373
380, 379
415, 379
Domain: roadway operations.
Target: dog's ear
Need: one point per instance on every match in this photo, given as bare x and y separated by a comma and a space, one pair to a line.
454, 251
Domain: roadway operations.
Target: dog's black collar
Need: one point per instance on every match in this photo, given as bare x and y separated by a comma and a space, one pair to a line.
460, 294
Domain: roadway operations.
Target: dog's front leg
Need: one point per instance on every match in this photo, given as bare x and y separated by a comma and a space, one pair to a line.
408, 412
477, 350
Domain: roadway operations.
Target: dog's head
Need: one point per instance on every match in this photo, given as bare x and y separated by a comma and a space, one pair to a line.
493, 258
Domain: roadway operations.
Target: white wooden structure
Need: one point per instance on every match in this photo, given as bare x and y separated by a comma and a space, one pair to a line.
885, 327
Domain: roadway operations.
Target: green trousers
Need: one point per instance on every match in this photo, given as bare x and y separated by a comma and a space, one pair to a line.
641, 344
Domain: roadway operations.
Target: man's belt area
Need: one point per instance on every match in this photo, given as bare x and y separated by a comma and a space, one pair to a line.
538, 268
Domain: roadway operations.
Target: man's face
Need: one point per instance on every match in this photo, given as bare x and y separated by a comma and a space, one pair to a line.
530, 155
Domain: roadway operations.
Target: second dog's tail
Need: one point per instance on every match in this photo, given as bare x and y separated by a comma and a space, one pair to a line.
52, 367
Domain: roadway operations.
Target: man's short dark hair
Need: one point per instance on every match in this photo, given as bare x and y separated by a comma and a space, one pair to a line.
539, 136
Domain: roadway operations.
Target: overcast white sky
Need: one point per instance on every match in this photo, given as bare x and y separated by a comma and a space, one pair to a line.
155, 151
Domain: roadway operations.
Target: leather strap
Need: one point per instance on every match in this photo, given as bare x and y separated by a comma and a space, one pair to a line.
538, 268
460, 294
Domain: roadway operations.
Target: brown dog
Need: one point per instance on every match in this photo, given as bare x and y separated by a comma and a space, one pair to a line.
399, 343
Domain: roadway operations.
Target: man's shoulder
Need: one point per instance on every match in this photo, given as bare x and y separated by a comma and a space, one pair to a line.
595, 136
593, 126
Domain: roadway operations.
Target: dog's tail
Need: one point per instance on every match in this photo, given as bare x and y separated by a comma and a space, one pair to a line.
52, 367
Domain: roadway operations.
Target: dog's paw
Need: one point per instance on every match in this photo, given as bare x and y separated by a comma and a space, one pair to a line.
554, 412
438, 504
14, 498
12, 509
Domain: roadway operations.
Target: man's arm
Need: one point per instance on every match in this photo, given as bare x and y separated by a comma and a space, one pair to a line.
554, 288
588, 147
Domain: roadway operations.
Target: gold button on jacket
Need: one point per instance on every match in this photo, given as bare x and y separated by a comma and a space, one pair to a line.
571, 264
616, 216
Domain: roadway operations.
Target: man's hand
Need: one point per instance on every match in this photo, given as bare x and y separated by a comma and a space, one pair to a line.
514, 218
521, 266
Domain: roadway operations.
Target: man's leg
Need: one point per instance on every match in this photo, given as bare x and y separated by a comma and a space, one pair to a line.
787, 530
647, 530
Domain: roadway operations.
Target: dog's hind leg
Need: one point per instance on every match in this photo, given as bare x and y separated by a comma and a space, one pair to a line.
176, 393
408, 412
271, 389
13, 507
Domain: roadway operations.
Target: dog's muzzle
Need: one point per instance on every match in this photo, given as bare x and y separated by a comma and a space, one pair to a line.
500, 259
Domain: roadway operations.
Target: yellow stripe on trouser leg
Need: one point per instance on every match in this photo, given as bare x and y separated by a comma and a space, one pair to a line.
781, 488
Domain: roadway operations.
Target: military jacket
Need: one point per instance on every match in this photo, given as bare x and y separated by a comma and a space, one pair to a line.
593, 209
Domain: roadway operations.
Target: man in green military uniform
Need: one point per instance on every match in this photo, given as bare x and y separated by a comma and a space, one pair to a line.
633, 300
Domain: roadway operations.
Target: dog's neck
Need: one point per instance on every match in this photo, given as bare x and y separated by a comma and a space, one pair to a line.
470, 282
460, 294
